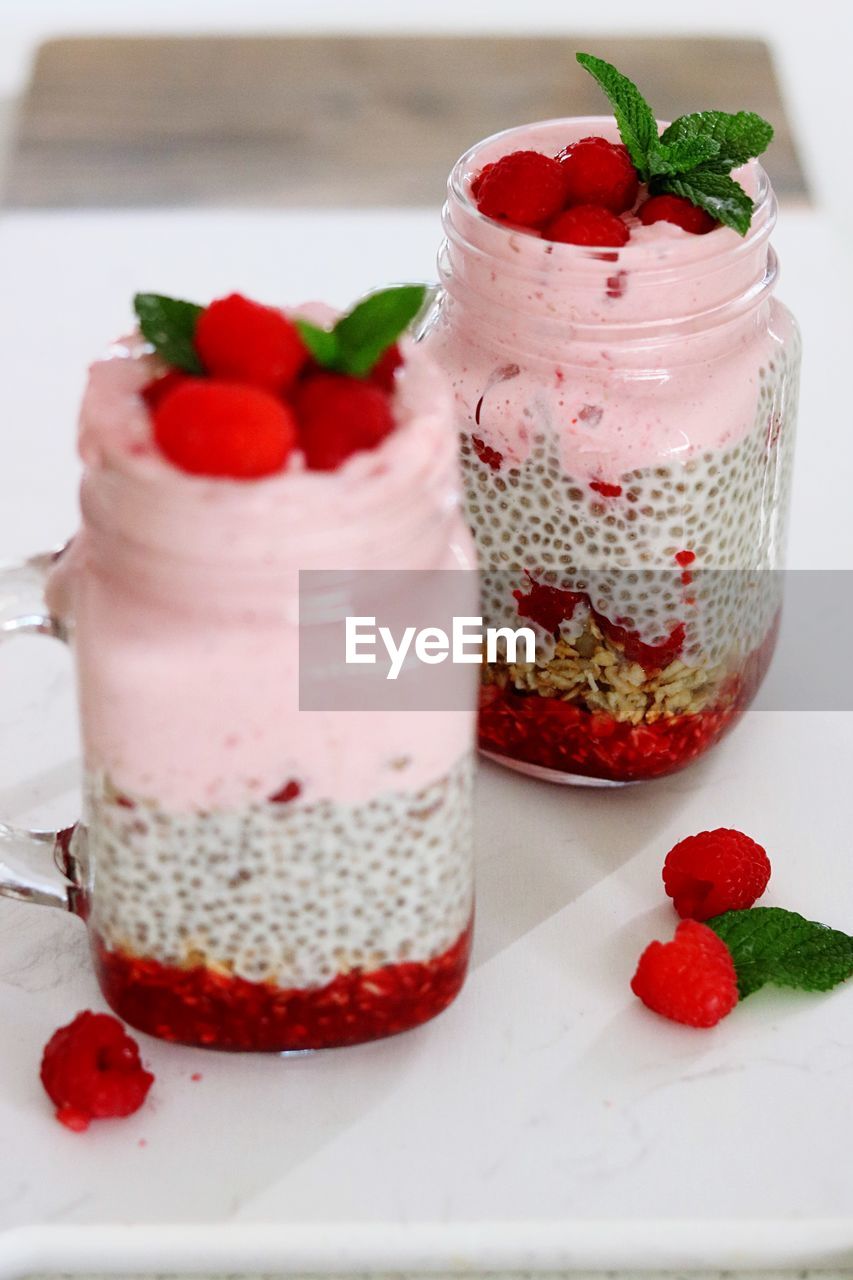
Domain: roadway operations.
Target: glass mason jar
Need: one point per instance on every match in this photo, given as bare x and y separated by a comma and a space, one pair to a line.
253, 875
627, 423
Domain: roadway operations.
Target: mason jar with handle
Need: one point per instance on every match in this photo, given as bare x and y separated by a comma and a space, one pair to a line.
252, 875
627, 420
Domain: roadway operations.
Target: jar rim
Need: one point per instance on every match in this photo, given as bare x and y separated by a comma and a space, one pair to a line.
703, 249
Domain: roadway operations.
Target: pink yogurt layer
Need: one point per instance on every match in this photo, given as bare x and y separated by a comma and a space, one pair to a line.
590, 323
182, 596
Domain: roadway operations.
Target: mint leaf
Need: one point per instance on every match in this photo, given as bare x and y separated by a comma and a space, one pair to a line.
636, 121
169, 325
682, 155
770, 945
739, 137
716, 193
322, 343
359, 338
374, 324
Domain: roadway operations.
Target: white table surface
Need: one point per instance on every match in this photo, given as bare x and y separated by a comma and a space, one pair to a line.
546, 1120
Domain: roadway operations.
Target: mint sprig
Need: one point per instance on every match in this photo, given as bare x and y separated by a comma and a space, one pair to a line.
169, 325
694, 156
771, 945
635, 118
739, 137
360, 338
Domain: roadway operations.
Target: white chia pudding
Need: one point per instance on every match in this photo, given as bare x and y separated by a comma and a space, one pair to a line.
285, 892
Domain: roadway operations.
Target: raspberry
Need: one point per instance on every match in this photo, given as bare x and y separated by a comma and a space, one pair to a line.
589, 224
91, 1070
606, 489
339, 416
158, 388
691, 979
479, 178
211, 428
290, 791
382, 373
242, 341
524, 188
678, 210
599, 172
488, 456
715, 871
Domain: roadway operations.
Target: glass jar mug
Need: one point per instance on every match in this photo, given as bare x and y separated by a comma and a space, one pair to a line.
627, 424
252, 875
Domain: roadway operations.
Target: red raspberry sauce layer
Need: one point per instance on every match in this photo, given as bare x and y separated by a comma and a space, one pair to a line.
197, 1006
571, 739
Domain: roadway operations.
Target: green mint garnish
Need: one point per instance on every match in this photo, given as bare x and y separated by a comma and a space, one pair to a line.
769, 945
169, 325
739, 137
694, 156
634, 116
361, 337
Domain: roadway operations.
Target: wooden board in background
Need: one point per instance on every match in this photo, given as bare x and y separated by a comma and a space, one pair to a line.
359, 121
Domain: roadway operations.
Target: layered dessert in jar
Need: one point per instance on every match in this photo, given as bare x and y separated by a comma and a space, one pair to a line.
258, 876
625, 386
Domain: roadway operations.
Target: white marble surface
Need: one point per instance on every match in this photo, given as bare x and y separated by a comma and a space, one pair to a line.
545, 1121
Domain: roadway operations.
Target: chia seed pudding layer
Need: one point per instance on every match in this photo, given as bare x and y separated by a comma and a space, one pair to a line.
691, 544
653, 594
284, 892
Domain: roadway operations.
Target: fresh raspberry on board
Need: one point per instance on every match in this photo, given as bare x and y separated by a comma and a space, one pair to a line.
212, 428
339, 415
678, 210
242, 341
588, 224
715, 871
524, 188
599, 172
691, 979
91, 1070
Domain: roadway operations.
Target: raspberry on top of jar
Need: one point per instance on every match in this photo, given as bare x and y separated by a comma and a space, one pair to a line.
245, 387
599, 193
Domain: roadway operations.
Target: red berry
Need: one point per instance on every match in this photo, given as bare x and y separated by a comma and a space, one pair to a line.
691, 979
338, 416
478, 179
290, 791
715, 871
606, 489
242, 341
211, 428
678, 210
382, 373
588, 224
524, 188
599, 172
91, 1070
156, 390
488, 456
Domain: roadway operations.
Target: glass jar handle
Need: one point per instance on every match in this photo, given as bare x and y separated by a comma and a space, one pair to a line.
23, 611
